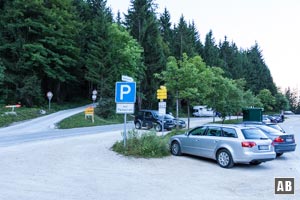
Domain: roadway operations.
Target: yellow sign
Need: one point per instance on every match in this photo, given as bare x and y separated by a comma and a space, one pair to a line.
162, 93
89, 112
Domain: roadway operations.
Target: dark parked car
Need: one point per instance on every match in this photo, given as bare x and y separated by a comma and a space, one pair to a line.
152, 119
178, 122
282, 142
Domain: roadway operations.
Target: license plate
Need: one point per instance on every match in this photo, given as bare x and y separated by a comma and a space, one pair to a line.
289, 140
263, 147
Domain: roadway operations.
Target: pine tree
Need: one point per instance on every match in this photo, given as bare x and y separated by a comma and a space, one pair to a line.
143, 25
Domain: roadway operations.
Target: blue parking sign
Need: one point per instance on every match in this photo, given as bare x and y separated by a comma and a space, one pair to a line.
125, 92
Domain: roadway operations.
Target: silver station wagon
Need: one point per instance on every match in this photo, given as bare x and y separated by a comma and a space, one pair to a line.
227, 144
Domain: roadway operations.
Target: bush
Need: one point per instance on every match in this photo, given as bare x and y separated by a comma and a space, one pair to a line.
146, 145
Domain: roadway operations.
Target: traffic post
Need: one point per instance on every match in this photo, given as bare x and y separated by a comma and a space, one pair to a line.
125, 96
162, 106
49, 95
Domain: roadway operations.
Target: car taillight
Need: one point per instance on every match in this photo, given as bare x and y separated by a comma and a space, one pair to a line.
278, 140
248, 144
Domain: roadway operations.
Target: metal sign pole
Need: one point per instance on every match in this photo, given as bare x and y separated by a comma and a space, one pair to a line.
125, 116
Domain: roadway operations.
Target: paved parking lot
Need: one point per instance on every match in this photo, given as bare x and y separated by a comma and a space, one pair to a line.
84, 167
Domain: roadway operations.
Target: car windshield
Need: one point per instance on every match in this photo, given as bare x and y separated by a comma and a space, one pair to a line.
276, 127
253, 133
168, 116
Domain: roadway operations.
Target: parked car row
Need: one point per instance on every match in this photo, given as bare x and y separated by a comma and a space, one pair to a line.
273, 118
153, 119
235, 143
282, 141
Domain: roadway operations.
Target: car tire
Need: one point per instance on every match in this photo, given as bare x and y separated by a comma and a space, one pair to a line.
158, 127
278, 154
138, 125
175, 149
224, 158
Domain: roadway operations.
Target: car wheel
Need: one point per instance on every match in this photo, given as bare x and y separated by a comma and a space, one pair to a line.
175, 149
158, 127
278, 154
138, 125
224, 158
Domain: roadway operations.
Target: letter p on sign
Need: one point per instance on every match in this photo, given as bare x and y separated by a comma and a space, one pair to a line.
125, 92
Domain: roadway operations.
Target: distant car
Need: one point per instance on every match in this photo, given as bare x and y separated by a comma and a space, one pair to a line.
227, 144
266, 119
282, 142
272, 118
178, 122
279, 118
152, 119
288, 112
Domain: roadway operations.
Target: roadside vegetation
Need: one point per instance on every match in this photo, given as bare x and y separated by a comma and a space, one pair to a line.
145, 145
26, 113
150, 144
79, 120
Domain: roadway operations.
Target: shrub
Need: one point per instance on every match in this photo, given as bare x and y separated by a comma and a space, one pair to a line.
147, 145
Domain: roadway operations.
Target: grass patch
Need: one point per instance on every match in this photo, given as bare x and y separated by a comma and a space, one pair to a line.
24, 113
145, 145
21, 115
78, 120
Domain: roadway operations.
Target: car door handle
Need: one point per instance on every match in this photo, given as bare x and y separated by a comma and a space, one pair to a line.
216, 141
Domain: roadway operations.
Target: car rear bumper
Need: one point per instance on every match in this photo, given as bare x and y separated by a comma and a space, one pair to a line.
255, 157
282, 148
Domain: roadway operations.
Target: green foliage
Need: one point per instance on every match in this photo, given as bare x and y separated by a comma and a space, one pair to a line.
21, 115
267, 99
72, 47
146, 145
142, 23
106, 108
79, 120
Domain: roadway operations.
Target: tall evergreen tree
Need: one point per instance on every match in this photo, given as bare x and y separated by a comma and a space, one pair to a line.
38, 41
232, 60
143, 25
211, 51
257, 74
166, 31
186, 39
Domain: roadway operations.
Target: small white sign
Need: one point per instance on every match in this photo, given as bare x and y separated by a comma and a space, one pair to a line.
127, 78
125, 108
49, 95
162, 111
162, 104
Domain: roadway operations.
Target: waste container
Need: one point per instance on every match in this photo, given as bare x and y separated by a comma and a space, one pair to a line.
252, 114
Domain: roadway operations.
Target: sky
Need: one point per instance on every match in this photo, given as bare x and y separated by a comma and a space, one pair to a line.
273, 24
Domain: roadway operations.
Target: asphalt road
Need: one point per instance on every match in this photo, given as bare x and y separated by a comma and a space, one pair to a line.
44, 128
82, 166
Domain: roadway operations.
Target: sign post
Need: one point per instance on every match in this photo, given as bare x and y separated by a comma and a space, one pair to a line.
125, 99
161, 95
49, 95
94, 97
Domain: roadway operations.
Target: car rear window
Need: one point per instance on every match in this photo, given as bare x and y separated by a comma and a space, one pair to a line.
229, 132
253, 133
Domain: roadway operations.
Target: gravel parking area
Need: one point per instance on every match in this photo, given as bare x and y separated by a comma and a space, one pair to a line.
84, 167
